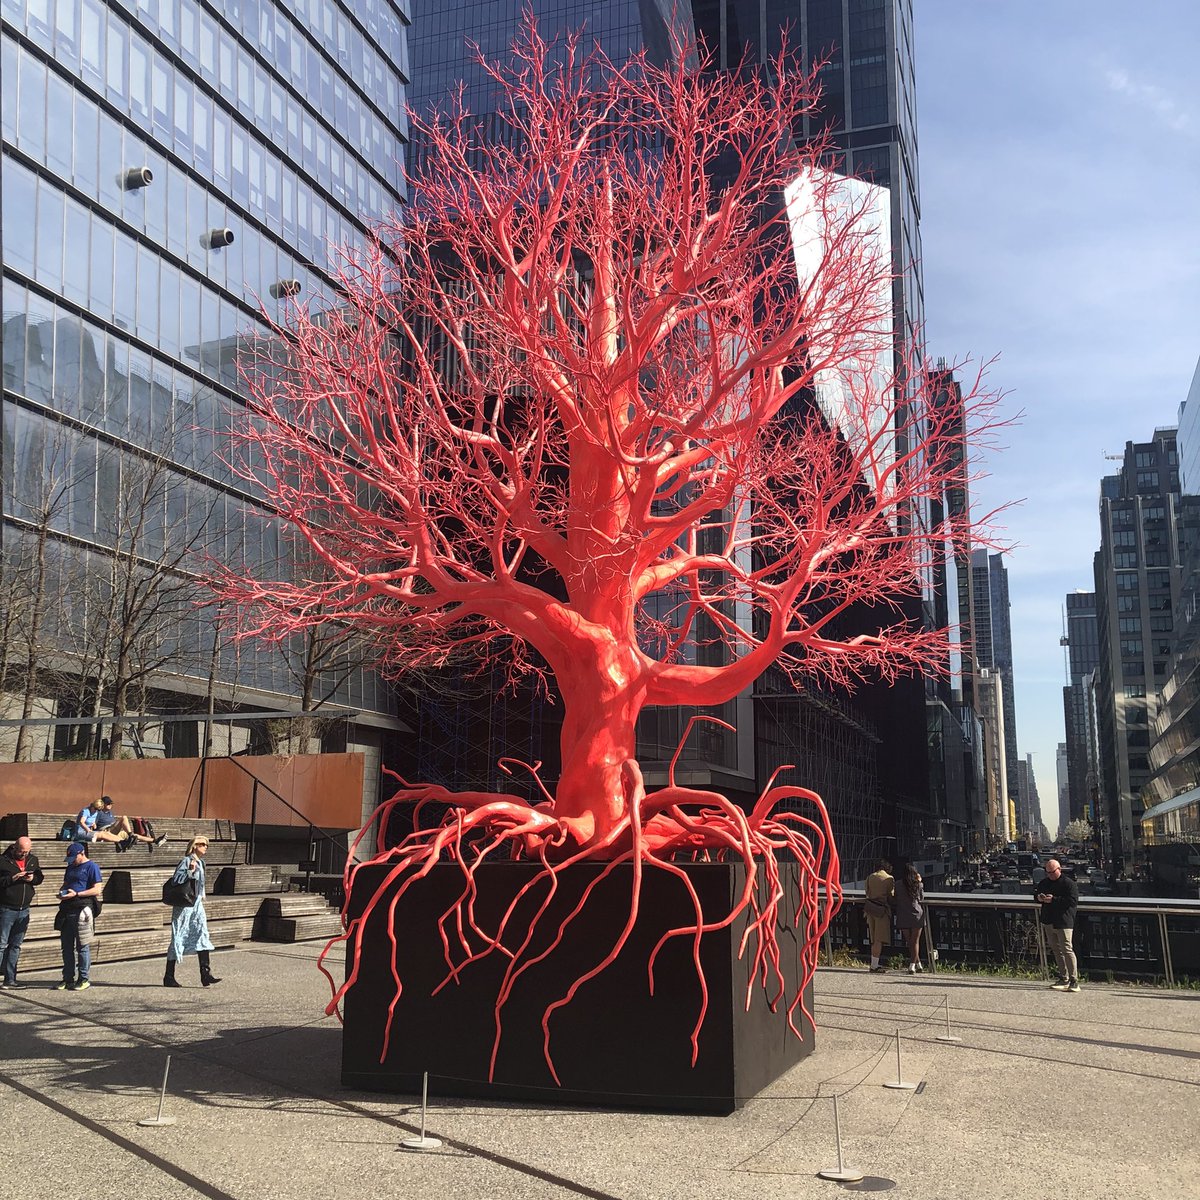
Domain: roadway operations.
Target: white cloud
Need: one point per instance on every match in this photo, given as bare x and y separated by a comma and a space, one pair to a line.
1152, 97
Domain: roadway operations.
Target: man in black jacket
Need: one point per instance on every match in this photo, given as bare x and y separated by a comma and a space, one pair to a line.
1059, 898
20, 873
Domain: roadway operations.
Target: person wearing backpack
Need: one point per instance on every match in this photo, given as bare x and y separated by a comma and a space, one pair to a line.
880, 896
98, 822
75, 920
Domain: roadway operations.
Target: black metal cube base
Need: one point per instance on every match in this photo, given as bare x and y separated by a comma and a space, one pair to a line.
614, 1045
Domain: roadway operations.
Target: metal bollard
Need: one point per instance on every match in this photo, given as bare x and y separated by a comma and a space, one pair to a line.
162, 1095
422, 1142
842, 1173
899, 1084
947, 1036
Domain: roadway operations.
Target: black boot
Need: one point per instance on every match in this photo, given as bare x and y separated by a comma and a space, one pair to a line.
206, 975
169, 979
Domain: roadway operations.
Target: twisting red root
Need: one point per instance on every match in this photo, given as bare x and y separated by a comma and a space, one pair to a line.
662, 830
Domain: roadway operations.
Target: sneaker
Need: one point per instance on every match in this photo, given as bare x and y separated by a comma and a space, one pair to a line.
1063, 987
82, 985
162, 837
63, 987
130, 840
1060, 983
912, 968
4, 983
878, 970
1073, 986
15, 983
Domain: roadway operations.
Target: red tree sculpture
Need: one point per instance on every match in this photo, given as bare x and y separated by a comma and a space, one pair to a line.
600, 393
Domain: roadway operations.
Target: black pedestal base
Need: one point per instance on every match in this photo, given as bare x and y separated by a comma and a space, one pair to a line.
613, 1045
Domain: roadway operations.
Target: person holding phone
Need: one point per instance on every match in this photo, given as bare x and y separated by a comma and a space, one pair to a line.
1058, 894
74, 920
20, 874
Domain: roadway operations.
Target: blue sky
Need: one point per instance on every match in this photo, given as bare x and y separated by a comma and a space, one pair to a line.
1059, 145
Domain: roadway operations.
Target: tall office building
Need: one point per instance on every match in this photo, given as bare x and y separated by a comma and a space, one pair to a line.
1001, 819
168, 167
993, 650
1083, 656
873, 752
1138, 579
1062, 781
1174, 758
953, 698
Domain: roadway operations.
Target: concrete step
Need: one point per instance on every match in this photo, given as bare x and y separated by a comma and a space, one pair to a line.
231, 906
135, 887
113, 947
53, 854
293, 904
297, 929
45, 826
116, 918
237, 880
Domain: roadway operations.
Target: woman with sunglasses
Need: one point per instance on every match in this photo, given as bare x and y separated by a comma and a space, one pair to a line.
189, 924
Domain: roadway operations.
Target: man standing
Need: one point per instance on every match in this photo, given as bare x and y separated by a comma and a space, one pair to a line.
1058, 895
20, 873
74, 921
881, 895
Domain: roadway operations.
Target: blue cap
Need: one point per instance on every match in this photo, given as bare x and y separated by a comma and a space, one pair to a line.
75, 848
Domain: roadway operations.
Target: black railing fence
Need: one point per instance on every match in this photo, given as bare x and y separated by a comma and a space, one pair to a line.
326, 853
1143, 939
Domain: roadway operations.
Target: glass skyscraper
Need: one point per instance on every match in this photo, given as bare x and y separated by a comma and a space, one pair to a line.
170, 168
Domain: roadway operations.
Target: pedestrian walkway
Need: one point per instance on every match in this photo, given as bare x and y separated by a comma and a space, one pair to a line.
1091, 1096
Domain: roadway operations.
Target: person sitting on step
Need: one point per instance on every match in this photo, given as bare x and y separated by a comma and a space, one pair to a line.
98, 823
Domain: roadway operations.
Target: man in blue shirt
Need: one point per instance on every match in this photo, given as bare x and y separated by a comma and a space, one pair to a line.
75, 922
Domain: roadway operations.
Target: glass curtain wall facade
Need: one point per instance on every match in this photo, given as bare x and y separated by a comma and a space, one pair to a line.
169, 166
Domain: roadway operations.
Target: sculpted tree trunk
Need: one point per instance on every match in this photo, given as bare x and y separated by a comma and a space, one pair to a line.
619, 379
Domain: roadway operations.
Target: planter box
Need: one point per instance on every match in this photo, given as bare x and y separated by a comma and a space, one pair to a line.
614, 1045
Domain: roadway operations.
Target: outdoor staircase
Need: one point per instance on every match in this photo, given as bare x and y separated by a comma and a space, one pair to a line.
243, 901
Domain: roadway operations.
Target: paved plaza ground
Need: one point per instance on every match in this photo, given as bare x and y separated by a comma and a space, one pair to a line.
1088, 1096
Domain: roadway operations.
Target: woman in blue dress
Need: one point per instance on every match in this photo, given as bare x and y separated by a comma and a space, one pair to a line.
189, 926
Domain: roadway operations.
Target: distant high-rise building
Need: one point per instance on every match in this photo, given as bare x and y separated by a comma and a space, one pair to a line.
993, 650
1174, 757
1083, 656
1001, 821
953, 600
1033, 803
1061, 778
1137, 576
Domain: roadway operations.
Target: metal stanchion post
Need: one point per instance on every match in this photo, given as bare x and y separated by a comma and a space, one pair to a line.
843, 1173
899, 1084
422, 1142
160, 1119
947, 1036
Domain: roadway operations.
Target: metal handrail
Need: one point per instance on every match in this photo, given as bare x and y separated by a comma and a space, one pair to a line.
313, 829
1148, 906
